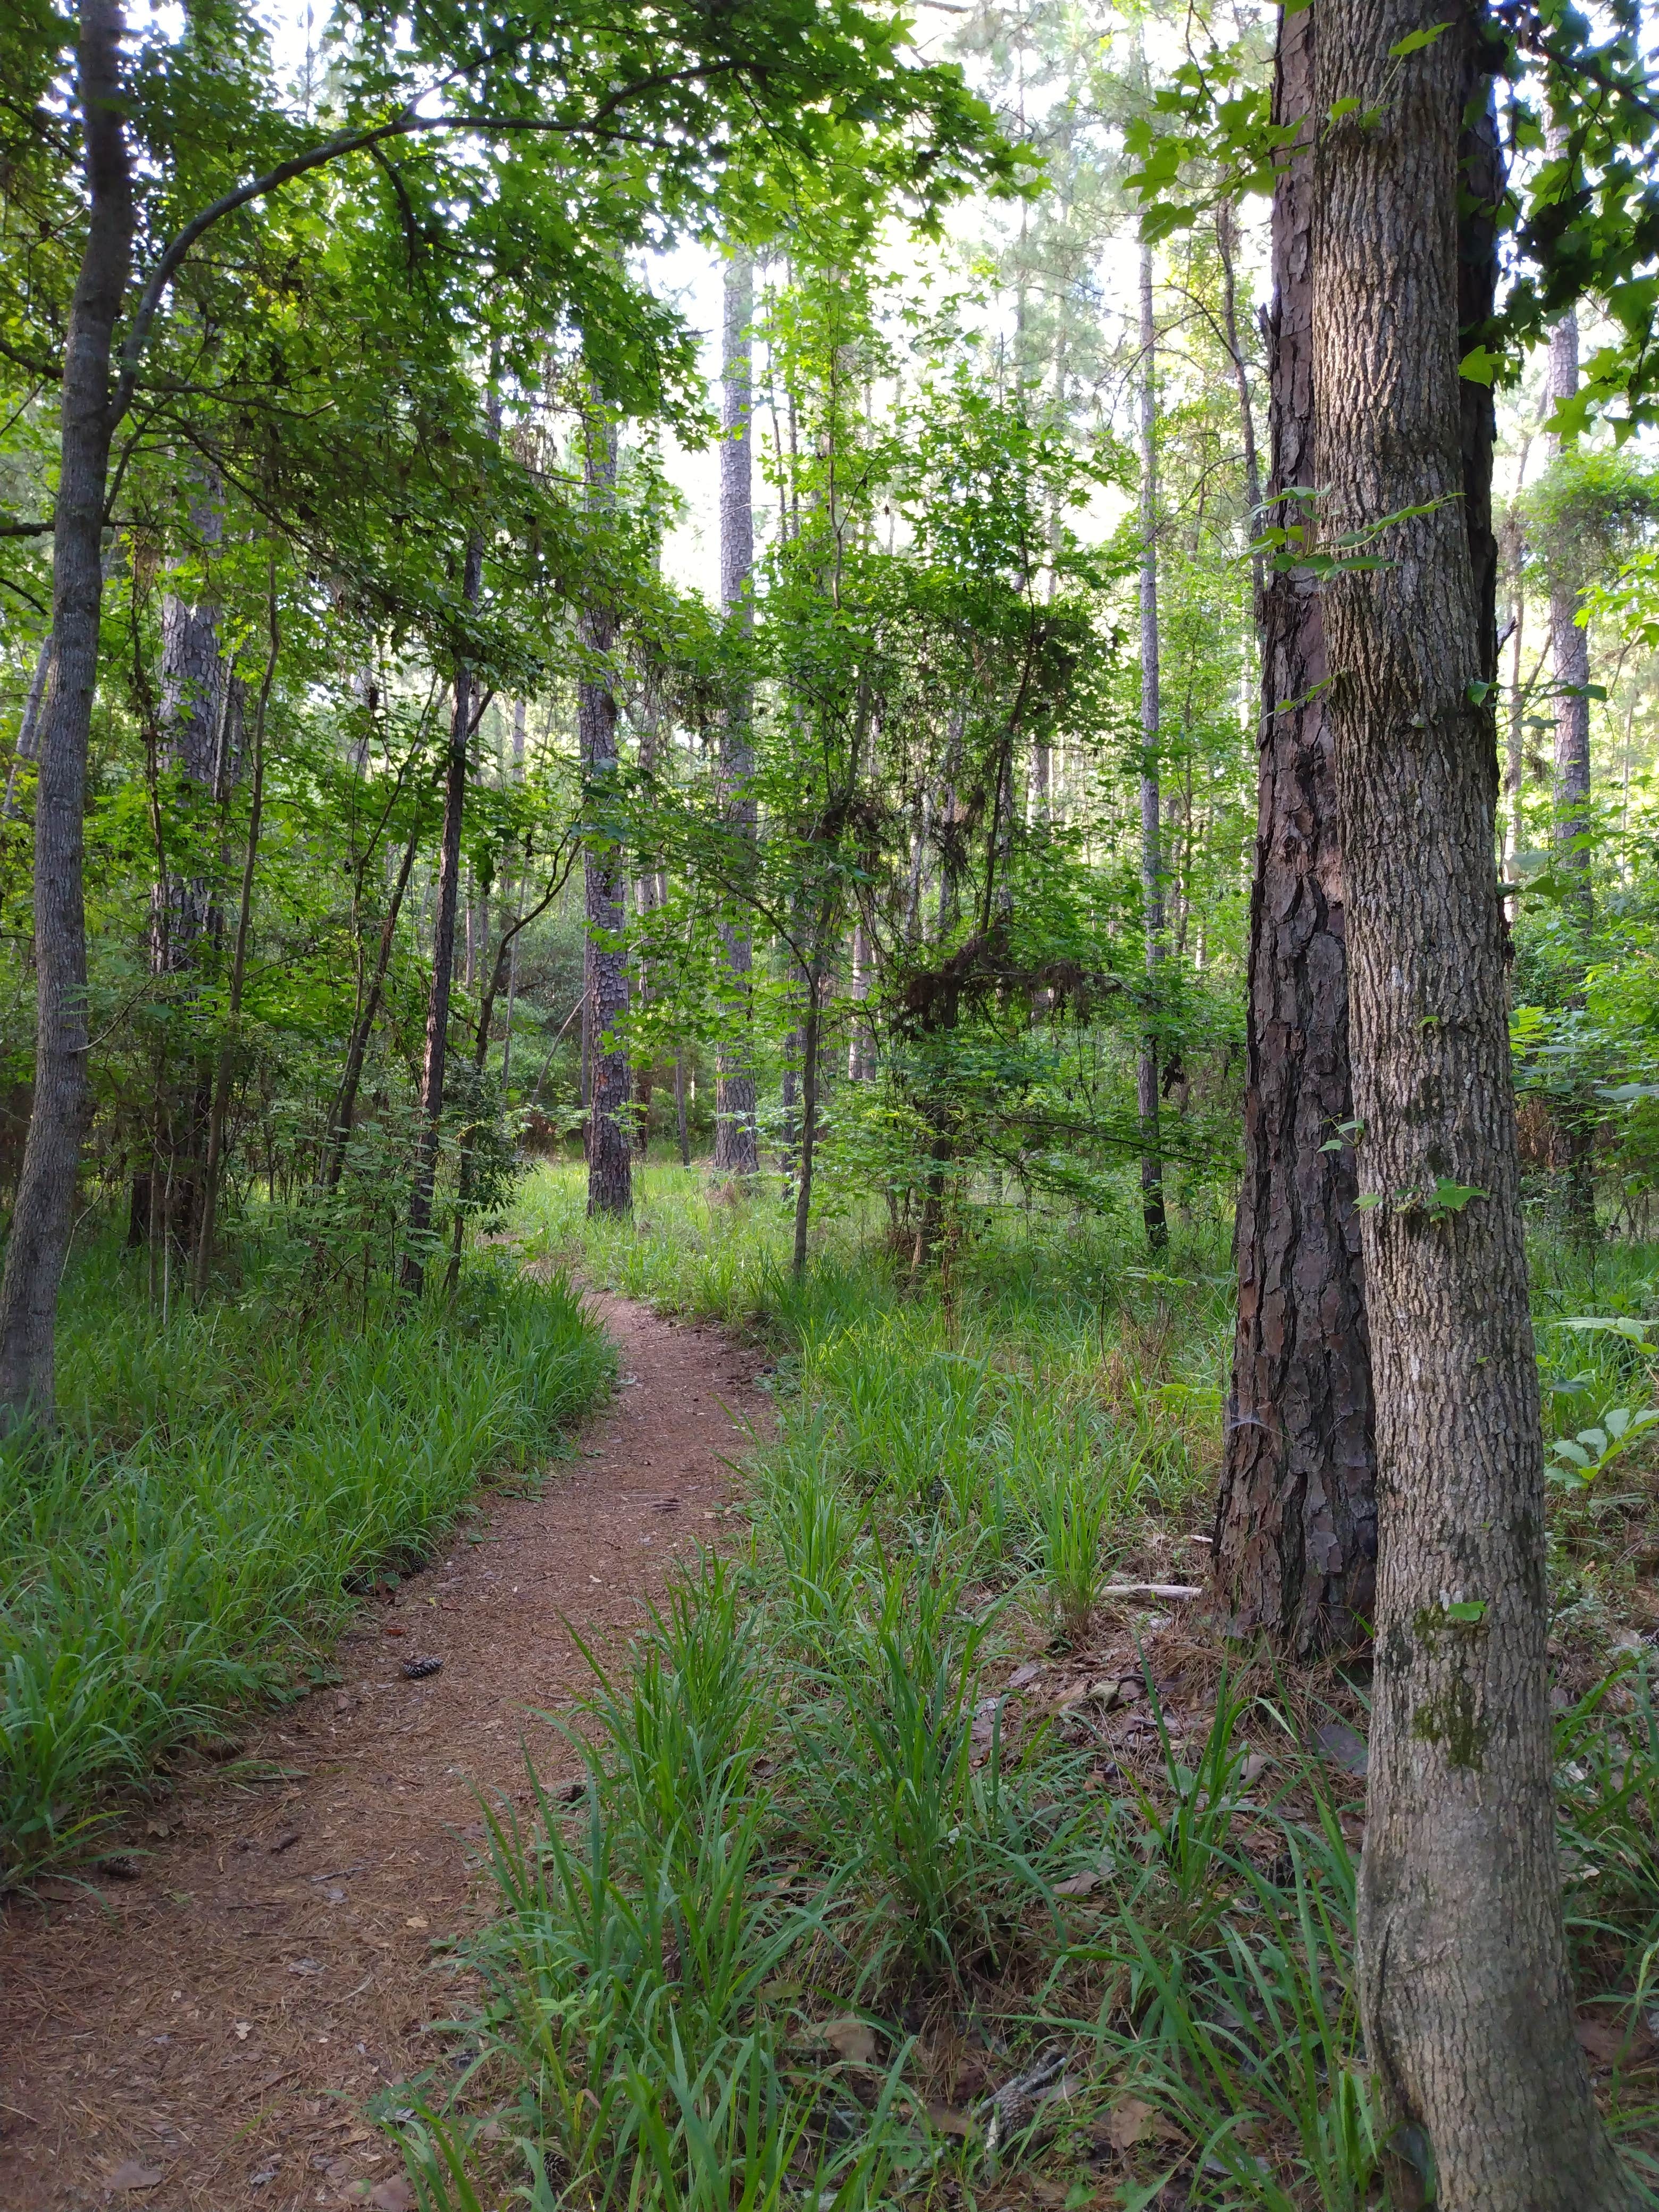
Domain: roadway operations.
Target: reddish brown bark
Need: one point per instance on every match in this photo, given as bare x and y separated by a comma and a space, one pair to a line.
1295, 1520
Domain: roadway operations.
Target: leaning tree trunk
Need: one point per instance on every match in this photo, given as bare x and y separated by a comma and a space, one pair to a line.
1296, 1519
1151, 862
1464, 1986
736, 1146
37, 1245
610, 1148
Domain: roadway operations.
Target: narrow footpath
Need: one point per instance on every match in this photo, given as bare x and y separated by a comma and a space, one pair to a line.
205, 2035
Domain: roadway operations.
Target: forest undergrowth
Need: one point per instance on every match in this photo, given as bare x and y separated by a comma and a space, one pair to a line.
227, 1481
913, 1863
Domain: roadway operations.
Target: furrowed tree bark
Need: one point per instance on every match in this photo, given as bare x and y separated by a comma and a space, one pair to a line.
38, 1245
735, 1144
1464, 1987
610, 1145
1152, 863
1295, 1537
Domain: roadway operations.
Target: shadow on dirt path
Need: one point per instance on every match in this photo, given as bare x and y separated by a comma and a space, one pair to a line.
203, 2037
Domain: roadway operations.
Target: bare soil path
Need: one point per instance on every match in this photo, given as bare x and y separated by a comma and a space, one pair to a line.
203, 2037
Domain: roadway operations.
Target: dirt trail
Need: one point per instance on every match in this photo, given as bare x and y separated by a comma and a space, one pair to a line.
204, 2038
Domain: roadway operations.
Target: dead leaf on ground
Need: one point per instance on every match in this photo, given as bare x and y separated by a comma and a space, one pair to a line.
949, 2122
1131, 2120
130, 2175
1608, 2041
1078, 1885
393, 2196
1342, 1746
1024, 1675
852, 2039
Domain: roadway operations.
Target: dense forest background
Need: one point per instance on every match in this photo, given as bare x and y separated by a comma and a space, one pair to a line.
916, 774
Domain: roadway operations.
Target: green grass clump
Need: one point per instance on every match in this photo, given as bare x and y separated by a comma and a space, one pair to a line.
853, 1914
220, 1482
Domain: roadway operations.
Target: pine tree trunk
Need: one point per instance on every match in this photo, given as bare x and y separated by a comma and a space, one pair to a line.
38, 1243
1152, 864
1295, 1520
1463, 1975
610, 1145
736, 1147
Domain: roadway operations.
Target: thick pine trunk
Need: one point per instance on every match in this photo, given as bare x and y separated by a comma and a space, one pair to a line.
1151, 858
609, 1144
1296, 1519
1464, 1984
736, 1147
39, 1242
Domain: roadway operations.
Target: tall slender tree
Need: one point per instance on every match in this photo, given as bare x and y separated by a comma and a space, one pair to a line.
435, 1064
38, 1243
1464, 1984
736, 1149
610, 1142
1151, 856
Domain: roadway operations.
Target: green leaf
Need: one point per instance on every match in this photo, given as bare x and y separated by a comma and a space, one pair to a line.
1414, 41
1480, 365
1611, 1324
1448, 1197
1367, 1199
1467, 1610
1339, 109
